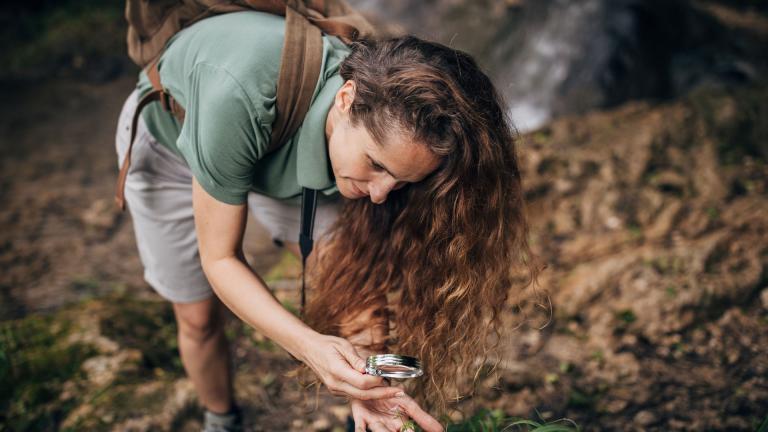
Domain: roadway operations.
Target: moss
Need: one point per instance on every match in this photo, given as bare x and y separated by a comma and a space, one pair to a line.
116, 403
736, 119
671, 291
147, 326
635, 231
581, 400
627, 316
289, 267
36, 359
542, 136
668, 265
39, 359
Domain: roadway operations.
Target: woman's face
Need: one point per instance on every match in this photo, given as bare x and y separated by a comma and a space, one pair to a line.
364, 168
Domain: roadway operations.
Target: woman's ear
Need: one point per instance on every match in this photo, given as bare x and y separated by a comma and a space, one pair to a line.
345, 96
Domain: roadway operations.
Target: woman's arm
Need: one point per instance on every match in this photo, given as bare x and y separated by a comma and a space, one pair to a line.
220, 230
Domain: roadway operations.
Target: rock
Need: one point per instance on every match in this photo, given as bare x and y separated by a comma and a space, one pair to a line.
340, 412
101, 218
102, 370
764, 298
321, 424
615, 406
665, 221
645, 418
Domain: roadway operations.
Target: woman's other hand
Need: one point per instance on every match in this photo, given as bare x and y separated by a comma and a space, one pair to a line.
342, 370
389, 415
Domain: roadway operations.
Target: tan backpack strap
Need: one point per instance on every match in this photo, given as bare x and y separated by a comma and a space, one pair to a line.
299, 71
121, 178
338, 18
153, 73
166, 100
169, 104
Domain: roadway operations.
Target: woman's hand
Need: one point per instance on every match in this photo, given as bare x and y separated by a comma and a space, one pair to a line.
390, 415
342, 370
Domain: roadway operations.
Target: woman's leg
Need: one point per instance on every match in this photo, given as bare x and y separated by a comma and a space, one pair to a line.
158, 193
205, 352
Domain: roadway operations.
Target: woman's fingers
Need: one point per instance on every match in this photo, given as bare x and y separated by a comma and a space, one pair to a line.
363, 425
356, 393
351, 356
421, 417
359, 380
357, 377
379, 427
359, 423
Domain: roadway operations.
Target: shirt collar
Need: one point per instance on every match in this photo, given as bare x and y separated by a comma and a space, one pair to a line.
313, 166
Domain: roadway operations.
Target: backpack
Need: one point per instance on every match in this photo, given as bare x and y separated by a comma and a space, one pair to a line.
151, 23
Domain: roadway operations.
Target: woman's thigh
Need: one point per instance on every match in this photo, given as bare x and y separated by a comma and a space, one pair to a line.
283, 220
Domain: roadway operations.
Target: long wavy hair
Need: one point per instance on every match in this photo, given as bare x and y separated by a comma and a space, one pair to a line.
447, 251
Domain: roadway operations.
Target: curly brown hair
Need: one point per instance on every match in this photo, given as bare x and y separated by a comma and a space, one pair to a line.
446, 250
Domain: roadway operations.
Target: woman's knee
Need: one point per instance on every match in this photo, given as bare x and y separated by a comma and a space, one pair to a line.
199, 321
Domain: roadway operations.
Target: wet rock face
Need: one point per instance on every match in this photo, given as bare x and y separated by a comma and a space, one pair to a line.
653, 223
553, 57
570, 57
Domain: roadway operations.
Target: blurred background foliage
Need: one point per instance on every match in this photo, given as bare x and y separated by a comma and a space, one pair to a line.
53, 38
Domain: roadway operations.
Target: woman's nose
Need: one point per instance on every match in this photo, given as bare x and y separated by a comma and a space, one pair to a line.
380, 188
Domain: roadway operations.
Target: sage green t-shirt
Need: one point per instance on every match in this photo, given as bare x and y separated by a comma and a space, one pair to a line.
223, 70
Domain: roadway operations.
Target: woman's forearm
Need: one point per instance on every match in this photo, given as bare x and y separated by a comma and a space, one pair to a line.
246, 294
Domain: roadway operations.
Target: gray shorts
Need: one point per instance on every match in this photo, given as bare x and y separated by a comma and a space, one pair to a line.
158, 193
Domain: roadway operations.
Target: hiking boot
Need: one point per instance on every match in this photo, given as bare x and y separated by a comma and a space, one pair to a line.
230, 422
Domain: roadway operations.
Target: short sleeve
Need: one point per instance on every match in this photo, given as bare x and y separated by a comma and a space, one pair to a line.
222, 138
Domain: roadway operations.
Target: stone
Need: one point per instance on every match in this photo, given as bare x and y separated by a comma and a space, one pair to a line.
321, 424
101, 215
645, 418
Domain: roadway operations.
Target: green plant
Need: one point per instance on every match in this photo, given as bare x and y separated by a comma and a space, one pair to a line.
764, 426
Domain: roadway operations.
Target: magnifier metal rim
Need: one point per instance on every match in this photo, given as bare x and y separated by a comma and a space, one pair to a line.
411, 364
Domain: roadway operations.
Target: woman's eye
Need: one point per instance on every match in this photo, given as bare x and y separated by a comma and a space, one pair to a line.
375, 166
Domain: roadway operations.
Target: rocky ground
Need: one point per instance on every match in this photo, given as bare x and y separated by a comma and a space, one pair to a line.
652, 220
654, 223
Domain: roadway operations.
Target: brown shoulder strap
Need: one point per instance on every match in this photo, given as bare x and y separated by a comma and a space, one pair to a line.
166, 99
169, 104
121, 178
299, 71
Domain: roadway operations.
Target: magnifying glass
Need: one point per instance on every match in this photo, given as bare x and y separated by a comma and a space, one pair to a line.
393, 366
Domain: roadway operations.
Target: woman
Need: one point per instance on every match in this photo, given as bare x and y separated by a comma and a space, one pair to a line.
411, 135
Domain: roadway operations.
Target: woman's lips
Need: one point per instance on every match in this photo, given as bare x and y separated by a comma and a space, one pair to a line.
357, 190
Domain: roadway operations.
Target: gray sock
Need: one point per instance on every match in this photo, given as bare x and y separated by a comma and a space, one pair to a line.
230, 422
